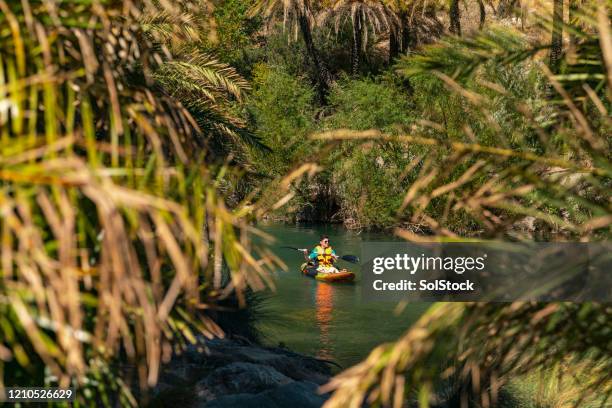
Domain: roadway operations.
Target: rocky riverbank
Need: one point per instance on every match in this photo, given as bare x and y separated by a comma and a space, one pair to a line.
237, 373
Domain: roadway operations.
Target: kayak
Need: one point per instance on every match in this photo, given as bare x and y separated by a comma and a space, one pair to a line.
342, 276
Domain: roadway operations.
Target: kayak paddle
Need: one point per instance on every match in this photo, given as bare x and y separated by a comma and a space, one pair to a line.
348, 258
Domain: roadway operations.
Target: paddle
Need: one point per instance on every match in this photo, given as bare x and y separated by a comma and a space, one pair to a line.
348, 258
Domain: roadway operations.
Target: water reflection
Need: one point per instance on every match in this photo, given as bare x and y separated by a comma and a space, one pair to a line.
325, 305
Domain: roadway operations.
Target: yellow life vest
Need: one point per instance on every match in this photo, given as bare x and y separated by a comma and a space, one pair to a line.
324, 256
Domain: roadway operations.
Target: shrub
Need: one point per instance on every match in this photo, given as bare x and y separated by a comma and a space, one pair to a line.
281, 112
368, 103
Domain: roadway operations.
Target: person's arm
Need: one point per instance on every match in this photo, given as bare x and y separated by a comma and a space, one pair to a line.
313, 255
334, 255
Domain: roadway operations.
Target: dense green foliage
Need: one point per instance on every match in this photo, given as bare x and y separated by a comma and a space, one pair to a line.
282, 110
234, 30
430, 93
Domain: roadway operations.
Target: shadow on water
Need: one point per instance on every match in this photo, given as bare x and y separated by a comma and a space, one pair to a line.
328, 320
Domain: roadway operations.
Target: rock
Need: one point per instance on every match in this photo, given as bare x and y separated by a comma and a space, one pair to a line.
194, 354
297, 394
526, 224
237, 373
237, 378
293, 365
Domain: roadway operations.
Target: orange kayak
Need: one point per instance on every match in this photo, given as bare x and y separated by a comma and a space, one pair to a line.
342, 276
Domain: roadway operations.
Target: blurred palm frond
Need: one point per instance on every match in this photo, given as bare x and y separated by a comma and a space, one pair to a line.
553, 167
114, 230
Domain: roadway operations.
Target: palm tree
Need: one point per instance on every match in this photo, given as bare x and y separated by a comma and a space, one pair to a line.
399, 40
205, 86
417, 24
301, 15
574, 23
363, 15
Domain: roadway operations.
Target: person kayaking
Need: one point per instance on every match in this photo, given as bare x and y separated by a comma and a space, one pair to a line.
321, 259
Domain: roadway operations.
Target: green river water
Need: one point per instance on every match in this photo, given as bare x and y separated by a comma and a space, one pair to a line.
329, 321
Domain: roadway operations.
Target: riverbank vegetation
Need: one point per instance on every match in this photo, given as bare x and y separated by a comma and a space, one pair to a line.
141, 140
489, 89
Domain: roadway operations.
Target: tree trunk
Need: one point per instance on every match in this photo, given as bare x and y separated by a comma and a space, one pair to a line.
400, 40
408, 40
506, 8
483, 14
556, 44
323, 76
394, 45
357, 44
574, 7
455, 18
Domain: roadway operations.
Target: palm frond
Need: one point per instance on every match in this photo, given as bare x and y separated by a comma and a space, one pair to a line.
287, 11
202, 74
203, 85
460, 57
165, 27
365, 14
114, 231
559, 176
492, 343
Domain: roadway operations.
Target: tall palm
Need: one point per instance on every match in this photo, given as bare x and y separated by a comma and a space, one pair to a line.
400, 40
574, 21
299, 13
363, 15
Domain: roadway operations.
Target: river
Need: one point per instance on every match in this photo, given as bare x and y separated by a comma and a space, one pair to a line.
329, 321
